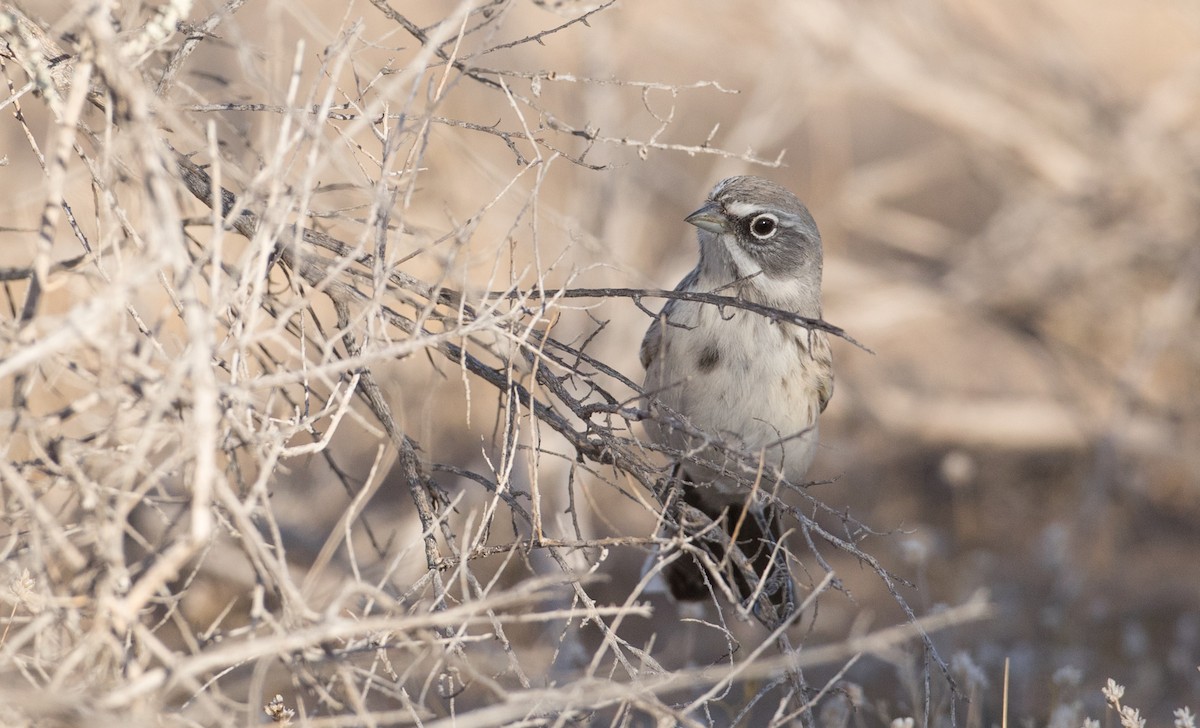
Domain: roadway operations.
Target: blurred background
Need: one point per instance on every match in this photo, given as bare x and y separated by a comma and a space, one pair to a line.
1009, 196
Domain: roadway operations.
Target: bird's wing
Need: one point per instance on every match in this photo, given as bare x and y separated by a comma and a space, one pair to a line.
823, 357
652, 341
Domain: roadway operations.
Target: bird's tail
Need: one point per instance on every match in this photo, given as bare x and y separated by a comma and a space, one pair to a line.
754, 528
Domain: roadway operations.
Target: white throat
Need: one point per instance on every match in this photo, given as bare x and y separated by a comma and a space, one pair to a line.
723, 261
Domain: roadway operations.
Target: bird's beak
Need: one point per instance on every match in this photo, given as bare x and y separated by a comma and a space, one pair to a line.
710, 218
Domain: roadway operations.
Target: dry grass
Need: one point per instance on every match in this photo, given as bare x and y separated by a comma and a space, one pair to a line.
305, 397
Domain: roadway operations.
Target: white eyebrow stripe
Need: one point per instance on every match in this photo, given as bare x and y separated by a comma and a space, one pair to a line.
792, 221
742, 209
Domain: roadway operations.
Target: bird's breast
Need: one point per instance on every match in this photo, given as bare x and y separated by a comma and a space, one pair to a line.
743, 378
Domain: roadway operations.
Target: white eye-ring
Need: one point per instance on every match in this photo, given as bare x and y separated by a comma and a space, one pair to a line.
764, 226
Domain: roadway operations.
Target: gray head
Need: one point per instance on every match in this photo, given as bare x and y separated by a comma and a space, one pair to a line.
752, 227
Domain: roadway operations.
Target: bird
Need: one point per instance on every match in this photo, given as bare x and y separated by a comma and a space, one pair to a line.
753, 383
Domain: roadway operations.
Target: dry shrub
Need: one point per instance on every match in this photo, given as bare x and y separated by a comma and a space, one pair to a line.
309, 399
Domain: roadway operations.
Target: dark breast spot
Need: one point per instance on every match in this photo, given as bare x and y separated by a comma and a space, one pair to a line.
709, 358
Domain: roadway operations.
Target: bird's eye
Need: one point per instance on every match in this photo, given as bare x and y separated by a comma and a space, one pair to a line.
764, 226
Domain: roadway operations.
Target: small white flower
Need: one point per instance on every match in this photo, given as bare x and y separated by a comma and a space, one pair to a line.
1184, 718
279, 712
1113, 692
1131, 718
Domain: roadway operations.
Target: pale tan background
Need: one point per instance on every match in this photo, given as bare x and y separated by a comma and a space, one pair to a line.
1008, 195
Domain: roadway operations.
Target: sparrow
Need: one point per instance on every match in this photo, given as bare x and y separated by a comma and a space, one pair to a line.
751, 383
